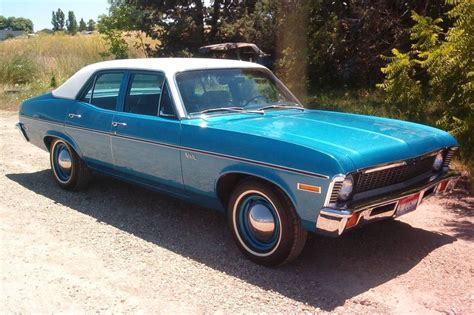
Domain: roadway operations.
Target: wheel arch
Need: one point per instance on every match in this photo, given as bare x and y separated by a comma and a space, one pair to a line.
228, 181
51, 135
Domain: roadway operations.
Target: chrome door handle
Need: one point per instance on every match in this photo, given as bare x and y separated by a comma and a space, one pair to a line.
115, 124
74, 116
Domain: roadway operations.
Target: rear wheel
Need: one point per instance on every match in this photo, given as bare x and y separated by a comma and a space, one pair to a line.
264, 223
69, 170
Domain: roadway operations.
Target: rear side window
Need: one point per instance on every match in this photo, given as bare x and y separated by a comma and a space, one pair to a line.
105, 90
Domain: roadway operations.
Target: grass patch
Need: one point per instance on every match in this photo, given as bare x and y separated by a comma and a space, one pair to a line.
29, 66
367, 102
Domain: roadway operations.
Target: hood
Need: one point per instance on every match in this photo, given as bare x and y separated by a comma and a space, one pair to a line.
365, 140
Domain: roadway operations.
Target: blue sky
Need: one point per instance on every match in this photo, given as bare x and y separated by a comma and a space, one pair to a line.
39, 11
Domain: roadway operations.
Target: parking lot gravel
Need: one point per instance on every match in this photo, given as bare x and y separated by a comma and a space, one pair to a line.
120, 248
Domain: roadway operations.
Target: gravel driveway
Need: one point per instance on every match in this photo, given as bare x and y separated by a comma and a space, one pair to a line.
121, 248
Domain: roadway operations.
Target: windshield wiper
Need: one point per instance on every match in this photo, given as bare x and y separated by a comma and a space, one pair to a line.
228, 109
281, 107
221, 109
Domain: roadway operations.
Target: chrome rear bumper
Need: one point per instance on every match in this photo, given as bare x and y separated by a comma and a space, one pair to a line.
333, 222
21, 128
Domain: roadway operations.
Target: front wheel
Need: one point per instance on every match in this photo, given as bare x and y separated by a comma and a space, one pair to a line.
264, 223
69, 171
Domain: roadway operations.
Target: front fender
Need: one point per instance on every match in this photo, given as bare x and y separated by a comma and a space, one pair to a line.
259, 172
307, 204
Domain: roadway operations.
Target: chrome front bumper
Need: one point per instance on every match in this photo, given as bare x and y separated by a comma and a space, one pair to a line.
333, 222
22, 129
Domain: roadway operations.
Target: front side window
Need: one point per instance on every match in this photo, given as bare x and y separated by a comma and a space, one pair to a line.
104, 91
205, 90
144, 94
166, 105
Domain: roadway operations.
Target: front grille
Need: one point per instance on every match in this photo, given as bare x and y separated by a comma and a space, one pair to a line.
335, 192
377, 179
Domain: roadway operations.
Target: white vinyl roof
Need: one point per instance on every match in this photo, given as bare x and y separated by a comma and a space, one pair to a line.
170, 66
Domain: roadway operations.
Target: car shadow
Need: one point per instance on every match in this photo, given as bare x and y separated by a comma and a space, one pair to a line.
328, 272
461, 203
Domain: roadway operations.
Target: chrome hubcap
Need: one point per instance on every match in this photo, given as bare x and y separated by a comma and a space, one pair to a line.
64, 160
261, 222
257, 222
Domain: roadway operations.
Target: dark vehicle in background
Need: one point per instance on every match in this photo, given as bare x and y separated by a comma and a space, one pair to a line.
237, 51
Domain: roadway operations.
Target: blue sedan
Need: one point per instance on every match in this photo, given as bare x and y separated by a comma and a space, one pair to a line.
229, 135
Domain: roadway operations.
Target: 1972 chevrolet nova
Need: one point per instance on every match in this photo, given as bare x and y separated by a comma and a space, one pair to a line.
229, 135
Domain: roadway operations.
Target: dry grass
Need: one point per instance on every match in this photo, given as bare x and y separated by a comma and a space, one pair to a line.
29, 66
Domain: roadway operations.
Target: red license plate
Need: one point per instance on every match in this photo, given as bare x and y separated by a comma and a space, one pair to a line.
408, 204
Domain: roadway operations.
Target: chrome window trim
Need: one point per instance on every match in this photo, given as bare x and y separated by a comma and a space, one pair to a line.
91, 83
183, 108
128, 88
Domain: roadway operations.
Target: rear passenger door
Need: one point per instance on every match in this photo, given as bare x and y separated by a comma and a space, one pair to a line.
146, 133
89, 118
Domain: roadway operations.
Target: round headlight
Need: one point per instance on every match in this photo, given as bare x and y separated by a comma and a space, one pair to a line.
346, 188
438, 162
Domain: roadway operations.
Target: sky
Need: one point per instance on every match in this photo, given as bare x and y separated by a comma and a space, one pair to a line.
39, 11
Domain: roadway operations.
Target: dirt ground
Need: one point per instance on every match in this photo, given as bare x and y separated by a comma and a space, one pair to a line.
120, 248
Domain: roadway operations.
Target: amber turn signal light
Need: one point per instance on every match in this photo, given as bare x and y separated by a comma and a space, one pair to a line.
352, 220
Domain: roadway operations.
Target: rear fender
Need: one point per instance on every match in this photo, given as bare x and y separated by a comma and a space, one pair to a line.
51, 134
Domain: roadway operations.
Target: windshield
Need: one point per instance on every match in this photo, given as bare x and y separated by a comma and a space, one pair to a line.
220, 89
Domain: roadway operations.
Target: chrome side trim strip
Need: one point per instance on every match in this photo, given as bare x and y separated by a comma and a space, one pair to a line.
87, 130
42, 120
225, 156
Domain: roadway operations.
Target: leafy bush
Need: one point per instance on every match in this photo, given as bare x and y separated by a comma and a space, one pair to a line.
434, 81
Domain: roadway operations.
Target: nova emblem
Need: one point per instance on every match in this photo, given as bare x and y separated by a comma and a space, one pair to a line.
190, 156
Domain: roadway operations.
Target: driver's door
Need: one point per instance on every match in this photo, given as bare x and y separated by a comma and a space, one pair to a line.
146, 134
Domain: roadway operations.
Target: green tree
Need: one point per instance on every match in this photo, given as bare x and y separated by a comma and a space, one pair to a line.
54, 21
183, 26
16, 24
82, 25
255, 21
180, 28
436, 76
91, 25
112, 26
71, 23
3, 22
58, 20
